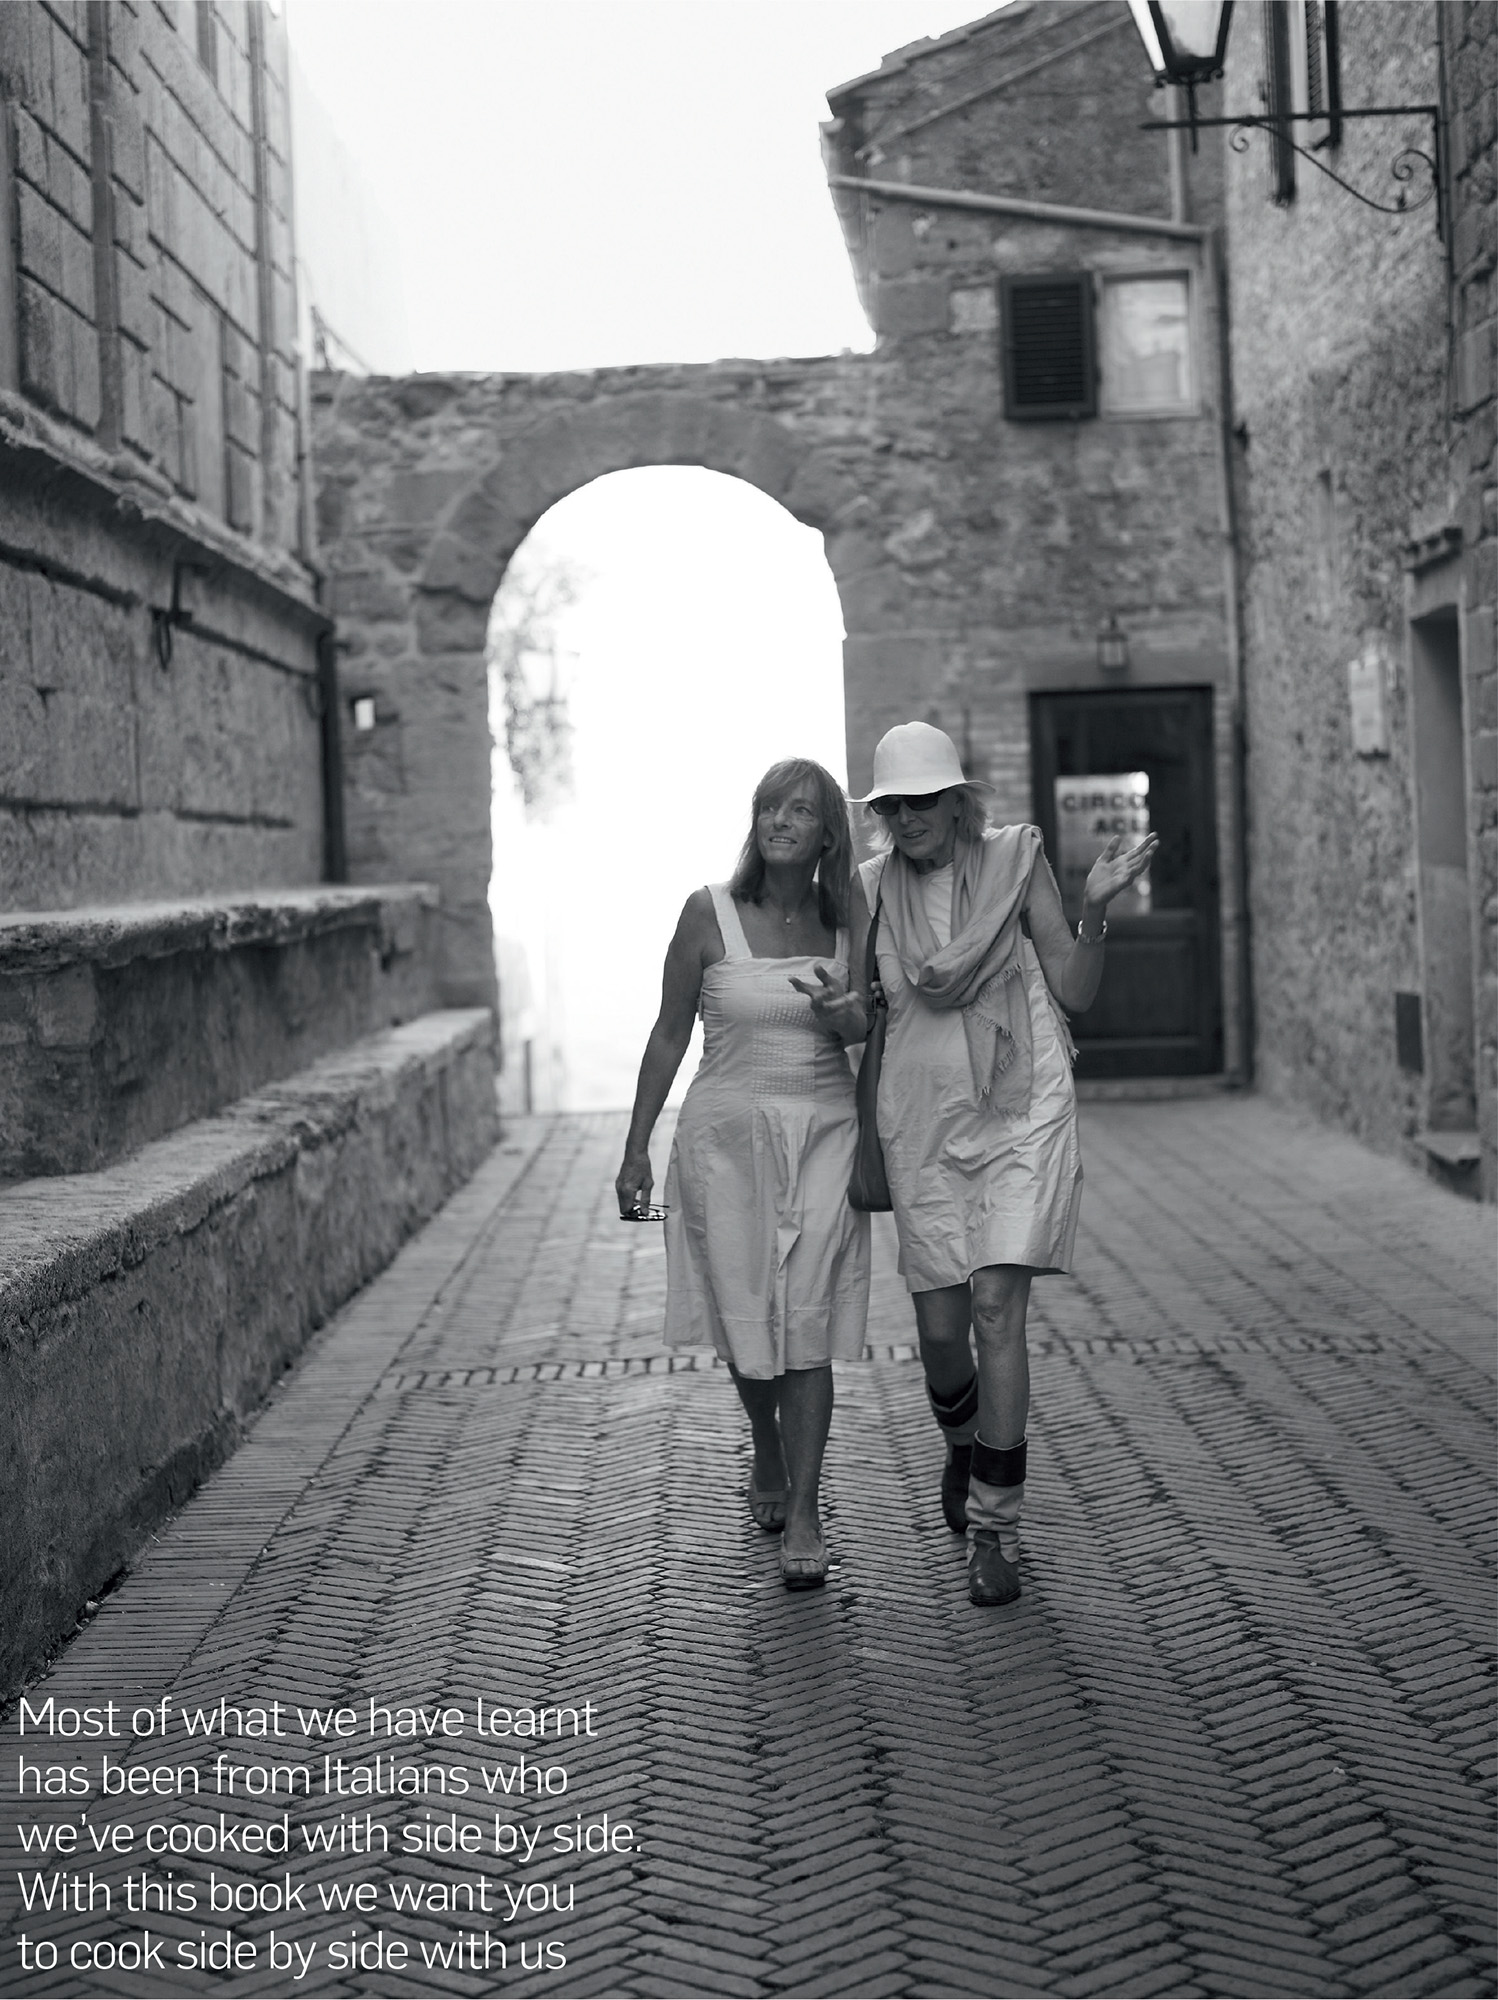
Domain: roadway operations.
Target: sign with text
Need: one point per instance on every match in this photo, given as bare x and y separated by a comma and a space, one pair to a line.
1368, 699
1089, 811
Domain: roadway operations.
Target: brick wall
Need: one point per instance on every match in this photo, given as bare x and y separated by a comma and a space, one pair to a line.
149, 456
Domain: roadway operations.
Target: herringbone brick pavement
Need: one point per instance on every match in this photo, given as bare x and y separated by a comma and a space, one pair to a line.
1236, 1738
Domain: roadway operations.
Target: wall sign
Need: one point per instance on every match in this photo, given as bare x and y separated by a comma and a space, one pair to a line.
1368, 695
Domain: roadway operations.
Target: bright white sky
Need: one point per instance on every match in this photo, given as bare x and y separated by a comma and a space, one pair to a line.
580, 183
573, 183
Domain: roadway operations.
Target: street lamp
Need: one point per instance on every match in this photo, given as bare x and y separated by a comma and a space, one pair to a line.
1186, 40
1112, 647
1186, 43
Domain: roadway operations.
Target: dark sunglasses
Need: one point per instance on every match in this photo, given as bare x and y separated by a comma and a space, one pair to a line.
918, 802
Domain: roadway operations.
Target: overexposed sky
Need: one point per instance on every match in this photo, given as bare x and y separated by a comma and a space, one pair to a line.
575, 183
706, 647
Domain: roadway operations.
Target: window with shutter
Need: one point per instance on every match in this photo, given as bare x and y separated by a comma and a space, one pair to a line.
1047, 345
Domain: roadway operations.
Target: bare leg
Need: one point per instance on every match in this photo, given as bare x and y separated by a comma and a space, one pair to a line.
761, 1400
942, 1320
805, 1419
1001, 1299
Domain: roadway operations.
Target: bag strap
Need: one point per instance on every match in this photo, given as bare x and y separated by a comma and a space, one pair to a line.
870, 961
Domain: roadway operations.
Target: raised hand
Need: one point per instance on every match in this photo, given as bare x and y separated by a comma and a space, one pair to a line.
1116, 867
837, 1010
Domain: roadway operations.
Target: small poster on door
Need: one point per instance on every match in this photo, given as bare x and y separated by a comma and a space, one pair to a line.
1089, 811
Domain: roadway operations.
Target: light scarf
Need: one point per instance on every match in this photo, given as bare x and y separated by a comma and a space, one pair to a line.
979, 971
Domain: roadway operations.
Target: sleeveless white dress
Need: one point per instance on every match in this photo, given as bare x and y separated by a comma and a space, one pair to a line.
765, 1261
970, 1188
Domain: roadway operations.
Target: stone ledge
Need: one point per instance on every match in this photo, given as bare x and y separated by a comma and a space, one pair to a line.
146, 1309
45, 940
120, 1024
118, 487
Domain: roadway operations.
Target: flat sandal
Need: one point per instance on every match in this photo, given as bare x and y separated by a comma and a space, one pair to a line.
767, 1507
804, 1572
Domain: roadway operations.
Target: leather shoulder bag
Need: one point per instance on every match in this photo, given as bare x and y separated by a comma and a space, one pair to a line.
868, 1188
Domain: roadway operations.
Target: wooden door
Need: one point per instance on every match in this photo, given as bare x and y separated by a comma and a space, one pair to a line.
1160, 1009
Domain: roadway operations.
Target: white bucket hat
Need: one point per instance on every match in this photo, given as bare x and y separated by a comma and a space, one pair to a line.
914, 758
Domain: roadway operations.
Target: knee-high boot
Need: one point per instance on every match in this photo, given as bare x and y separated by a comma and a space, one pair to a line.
958, 1417
995, 1500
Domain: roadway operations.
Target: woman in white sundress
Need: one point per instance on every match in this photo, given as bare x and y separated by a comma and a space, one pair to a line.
977, 1113
765, 1260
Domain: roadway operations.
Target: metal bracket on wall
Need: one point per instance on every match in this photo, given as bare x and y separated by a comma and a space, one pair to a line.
165, 622
1403, 167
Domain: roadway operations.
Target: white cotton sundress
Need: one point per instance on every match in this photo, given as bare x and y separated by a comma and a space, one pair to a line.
765, 1260
971, 1188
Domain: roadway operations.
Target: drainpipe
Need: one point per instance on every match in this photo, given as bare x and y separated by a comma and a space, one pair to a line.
334, 842
1216, 258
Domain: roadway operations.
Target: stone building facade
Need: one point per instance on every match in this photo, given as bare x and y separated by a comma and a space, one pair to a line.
159, 691
228, 1087
980, 544
1363, 380
1264, 626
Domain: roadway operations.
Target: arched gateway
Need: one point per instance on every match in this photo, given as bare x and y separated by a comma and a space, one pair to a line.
428, 485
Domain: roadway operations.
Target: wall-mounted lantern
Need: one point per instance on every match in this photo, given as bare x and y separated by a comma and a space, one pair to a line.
1185, 43
1112, 647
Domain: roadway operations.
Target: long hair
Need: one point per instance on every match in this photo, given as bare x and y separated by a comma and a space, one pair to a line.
972, 820
834, 868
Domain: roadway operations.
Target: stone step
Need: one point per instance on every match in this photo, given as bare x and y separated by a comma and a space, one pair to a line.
120, 1024
145, 1309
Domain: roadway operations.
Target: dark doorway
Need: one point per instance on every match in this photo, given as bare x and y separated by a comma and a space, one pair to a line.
1445, 900
1138, 759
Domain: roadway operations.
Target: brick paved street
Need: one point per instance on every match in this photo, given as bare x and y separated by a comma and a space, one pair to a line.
1237, 1738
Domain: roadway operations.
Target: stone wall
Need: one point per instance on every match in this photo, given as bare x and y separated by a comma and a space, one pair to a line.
976, 557
149, 459
1340, 379
1471, 97
145, 1310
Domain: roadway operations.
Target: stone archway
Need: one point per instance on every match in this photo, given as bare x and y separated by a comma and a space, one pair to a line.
428, 485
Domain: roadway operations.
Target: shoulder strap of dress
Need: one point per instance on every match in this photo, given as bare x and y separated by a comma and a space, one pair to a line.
735, 944
841, 949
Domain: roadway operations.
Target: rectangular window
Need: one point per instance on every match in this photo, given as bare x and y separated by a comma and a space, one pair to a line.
1315, 72
1279, 94
207, 38
1047, 346
1146, 347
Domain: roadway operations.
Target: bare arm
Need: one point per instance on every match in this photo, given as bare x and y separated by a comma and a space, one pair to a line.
1073, 966
694, 945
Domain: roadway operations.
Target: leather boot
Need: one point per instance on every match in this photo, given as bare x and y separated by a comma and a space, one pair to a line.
958, 1417
995, 1500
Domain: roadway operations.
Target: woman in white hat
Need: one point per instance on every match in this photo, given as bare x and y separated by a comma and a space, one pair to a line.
977, 1114
765, 1260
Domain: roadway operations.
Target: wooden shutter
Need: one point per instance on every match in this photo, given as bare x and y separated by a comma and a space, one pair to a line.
1045, 326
